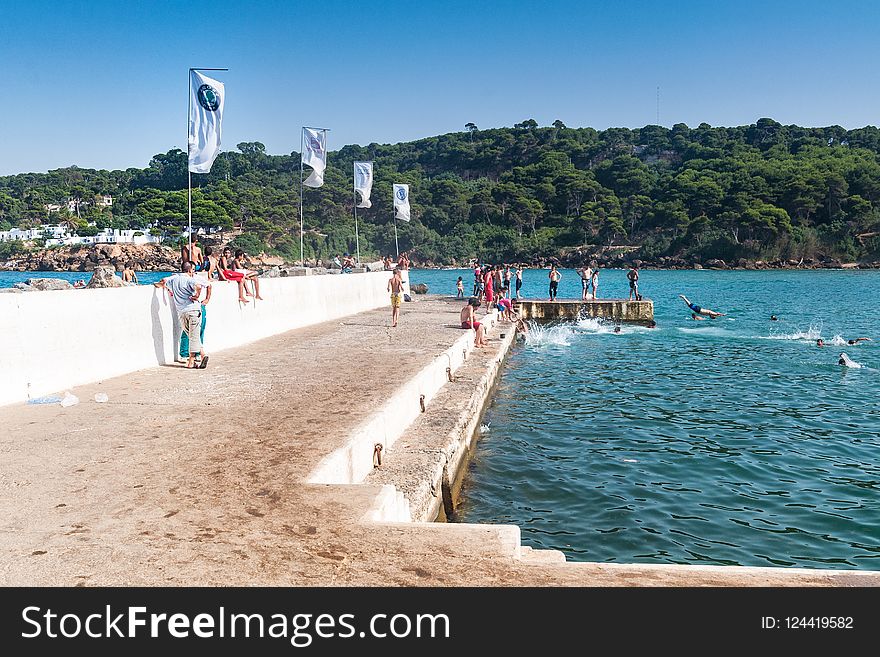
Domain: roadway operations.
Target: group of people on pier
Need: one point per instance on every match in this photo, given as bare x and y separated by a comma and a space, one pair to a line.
190, 291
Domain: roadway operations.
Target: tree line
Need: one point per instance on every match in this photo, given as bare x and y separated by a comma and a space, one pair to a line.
762, 191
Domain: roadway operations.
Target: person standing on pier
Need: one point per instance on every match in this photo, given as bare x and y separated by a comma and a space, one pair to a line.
395, 286
595, 280
185, 290
555, 277
633, 277
489, 286
519, 274
586, 274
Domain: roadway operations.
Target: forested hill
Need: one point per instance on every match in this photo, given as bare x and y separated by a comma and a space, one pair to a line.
759, 192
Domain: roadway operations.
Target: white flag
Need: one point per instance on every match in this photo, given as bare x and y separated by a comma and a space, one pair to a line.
315, 155
206, 114
363, 182
401, 202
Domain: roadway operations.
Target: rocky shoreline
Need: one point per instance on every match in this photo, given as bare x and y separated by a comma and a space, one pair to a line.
623, 261
155, 257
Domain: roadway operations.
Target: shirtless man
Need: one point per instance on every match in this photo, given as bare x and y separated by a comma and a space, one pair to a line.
395, 286
633, 277
195, 255
586, 275
469, 321
711, 314
129, 276
857, 340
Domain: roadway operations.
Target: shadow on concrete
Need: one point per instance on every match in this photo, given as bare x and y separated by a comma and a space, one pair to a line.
158, 334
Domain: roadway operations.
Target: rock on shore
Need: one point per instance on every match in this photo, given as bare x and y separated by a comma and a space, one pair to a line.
146, 257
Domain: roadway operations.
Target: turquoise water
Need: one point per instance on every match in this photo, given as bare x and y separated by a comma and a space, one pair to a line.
10, 278
733, 441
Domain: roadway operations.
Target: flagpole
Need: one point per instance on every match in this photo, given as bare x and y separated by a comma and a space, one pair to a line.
302, 256
355, 194
189, 193
356, 239
396, 246
301, 182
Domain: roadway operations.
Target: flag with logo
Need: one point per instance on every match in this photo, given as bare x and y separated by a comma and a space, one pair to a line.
401, 202
363, 182
205, 118
315, 155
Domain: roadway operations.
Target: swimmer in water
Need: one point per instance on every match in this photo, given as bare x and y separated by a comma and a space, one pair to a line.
711, 314
774, 318
820, 342
857, 340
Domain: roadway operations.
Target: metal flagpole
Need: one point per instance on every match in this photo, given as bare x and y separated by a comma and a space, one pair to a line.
302, 256
396, 246
301, 185
189, 194
356, 239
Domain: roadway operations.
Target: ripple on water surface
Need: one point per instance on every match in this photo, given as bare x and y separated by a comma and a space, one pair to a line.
736, 442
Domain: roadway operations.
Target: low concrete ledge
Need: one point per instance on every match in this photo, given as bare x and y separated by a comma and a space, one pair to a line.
618, 310
355, 461
429, 461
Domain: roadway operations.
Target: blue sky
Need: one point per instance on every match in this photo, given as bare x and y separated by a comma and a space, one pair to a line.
102, 84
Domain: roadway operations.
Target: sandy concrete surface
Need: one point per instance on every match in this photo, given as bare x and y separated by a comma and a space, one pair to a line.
195, 477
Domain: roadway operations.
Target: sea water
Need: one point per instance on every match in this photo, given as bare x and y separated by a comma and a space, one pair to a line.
10, 278
734, 441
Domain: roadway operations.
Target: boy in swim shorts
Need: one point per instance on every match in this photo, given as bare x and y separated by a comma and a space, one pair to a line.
395, 286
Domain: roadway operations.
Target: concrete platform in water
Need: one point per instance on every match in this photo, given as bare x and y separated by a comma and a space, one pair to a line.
619, 310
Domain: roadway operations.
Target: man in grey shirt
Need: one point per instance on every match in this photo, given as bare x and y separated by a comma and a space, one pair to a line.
185, 290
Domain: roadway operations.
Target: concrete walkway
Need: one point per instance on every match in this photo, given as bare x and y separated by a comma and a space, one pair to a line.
197, 478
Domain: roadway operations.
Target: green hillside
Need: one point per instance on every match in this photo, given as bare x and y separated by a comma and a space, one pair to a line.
764, 191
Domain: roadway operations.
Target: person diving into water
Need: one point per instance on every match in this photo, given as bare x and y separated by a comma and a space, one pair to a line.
711, 314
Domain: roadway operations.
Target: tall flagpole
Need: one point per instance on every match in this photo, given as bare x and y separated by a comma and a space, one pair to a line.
354, 192
396, 246
302, 256
189, 176
301, 183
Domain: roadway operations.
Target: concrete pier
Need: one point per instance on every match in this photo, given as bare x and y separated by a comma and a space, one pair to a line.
618, 310
208, 477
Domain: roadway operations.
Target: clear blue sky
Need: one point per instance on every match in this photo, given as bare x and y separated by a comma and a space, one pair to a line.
103, 84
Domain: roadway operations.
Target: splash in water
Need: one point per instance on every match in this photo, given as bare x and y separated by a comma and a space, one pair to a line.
812, 334
594, 325
846, 361
558, 334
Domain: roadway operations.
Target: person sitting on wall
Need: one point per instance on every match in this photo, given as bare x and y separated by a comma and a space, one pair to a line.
469, 321
347, 264
226, 272
249, 275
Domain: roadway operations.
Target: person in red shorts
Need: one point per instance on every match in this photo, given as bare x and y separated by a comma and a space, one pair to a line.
469, 321
226, 272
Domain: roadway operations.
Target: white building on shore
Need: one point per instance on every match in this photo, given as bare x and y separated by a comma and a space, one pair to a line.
56, 235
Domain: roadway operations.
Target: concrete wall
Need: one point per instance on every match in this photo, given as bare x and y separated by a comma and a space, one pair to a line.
613, 309
52, 341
